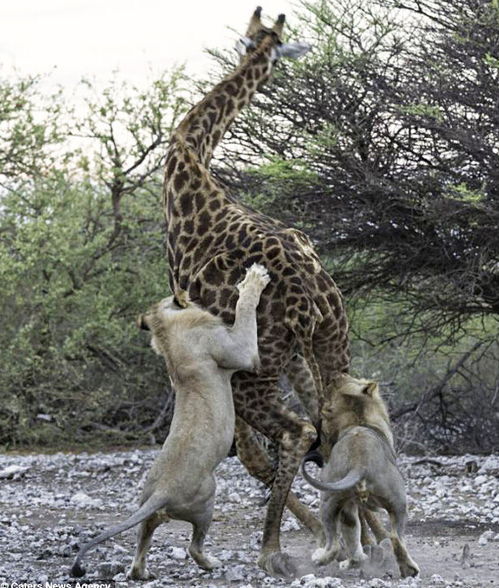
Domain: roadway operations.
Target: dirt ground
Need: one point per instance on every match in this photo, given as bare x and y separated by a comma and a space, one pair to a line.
49, 504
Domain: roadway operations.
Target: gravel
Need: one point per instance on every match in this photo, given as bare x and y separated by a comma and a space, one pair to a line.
51, 504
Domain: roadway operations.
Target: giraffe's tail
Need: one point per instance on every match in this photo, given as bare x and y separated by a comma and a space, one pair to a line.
303, 328
309, 356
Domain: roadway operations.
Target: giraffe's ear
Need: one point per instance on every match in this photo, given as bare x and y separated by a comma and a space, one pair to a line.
279, 25
292, 50
244, 45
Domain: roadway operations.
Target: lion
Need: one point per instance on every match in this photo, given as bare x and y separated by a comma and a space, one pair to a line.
201, 354
361, 473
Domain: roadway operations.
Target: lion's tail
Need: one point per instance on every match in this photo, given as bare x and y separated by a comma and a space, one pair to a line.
150, 506
353, 477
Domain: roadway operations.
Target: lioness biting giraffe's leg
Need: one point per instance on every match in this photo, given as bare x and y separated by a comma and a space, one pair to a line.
361, 473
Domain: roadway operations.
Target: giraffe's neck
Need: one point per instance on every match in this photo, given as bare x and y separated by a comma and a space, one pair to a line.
206, 123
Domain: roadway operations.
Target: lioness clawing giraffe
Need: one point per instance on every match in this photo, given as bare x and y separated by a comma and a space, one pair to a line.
201, 354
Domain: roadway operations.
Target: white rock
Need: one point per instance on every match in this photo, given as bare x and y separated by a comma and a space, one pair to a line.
311, 581
409, 583
378, 583
491, 464
437, 580
329, 582
290, 525
226, 555
13, 471
234, 497
177, 553
85, 501
109, 569
255, 540
301, 581
486, 537
235, 574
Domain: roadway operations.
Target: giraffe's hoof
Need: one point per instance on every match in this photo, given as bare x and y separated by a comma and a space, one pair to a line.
277, 564
136, 573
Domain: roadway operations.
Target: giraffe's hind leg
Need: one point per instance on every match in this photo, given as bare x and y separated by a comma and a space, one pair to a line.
256, 460
258, 403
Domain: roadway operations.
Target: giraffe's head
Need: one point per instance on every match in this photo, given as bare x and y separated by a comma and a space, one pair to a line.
258, 33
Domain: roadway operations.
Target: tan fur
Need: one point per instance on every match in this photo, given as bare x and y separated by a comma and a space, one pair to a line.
352, 401
360, 474
182, 298
201, 354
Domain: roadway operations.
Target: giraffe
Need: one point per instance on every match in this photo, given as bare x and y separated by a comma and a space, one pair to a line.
212, 238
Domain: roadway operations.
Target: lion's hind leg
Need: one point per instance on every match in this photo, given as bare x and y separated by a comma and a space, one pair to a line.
138, 570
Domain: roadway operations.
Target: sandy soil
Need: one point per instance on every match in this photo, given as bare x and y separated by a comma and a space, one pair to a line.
49, 504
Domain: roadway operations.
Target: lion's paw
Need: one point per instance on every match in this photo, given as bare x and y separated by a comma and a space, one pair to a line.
256, 276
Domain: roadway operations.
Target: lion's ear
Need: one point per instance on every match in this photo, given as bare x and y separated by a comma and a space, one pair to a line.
141, 323
181, 298
327, 410
356, 387
370, 389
